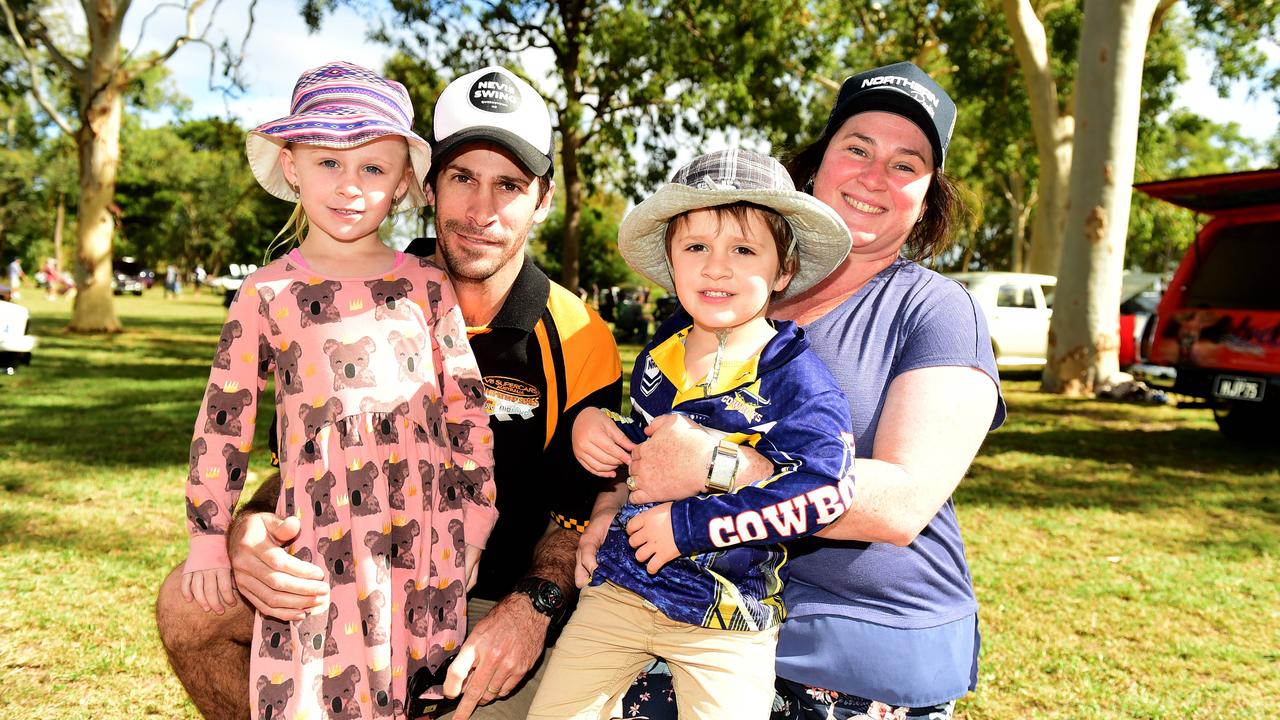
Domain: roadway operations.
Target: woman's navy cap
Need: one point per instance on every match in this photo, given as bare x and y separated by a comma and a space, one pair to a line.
902, 89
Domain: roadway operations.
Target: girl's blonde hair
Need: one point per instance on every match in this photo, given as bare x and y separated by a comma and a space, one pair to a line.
294, 230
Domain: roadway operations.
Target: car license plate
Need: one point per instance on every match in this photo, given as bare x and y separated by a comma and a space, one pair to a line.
1238, 388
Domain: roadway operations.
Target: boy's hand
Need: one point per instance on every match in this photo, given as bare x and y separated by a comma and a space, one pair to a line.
471, 563
651, 535
589, 545
598, 443
210, 589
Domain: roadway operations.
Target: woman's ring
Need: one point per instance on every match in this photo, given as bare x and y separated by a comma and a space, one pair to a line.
631, 482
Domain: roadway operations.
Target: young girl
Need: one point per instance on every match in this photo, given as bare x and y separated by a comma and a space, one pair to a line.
386, 454
698, 582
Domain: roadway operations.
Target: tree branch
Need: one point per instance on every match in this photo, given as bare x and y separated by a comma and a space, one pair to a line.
36, 92
41, 33
188, 36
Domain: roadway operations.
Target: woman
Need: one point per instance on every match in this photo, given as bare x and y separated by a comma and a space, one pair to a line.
881, 610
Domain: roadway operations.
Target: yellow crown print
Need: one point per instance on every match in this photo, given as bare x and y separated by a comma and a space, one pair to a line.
230, 386
213, 472
349, 628
355, 305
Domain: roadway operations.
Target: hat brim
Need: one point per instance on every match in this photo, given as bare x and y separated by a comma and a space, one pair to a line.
822, 238
535, 161
263, 149
889, 99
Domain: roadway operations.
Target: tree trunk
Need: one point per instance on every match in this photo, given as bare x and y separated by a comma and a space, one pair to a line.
100, 108
1019, 210
572, 208
1083, 335
98, 141
1054, 131
58, 223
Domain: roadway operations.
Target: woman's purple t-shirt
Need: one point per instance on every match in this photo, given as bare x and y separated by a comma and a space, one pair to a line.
853, 607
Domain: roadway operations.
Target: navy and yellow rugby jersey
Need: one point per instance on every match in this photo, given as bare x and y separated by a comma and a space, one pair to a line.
544, 357
786, 405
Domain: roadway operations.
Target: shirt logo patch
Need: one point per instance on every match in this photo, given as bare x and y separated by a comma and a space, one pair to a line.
506, 398
651, 378
746, 403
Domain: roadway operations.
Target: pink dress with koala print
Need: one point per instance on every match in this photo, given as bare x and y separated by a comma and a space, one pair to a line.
387, 459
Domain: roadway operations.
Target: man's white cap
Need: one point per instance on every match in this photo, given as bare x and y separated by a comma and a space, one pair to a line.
491, 104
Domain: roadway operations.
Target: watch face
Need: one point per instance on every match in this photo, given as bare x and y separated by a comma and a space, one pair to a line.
549, 594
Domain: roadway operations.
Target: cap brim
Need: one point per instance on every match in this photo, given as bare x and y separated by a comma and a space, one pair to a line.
263, 151
822, 238
894, 101
534, 161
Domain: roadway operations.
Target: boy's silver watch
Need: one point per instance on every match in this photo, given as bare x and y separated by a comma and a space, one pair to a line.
724, 467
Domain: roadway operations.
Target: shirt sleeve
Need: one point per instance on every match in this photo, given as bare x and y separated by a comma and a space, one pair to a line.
223, 436
812, 449
463, 390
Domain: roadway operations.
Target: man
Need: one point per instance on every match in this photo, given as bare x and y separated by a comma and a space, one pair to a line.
544, 356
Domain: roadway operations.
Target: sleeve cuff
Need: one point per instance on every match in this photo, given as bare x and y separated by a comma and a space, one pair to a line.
207, 552
477, 523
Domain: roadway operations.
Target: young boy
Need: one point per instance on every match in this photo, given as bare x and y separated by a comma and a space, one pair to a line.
698, 582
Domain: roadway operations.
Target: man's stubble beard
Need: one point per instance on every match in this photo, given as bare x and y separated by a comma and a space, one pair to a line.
471, 266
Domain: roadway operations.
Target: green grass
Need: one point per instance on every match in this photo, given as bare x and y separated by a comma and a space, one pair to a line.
1127, 559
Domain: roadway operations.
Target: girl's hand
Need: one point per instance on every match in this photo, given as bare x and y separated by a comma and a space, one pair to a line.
653, 538
589, 545
210, 589
598, 443
471, 564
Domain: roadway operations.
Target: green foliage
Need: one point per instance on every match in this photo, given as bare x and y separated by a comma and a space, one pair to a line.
601, 265
186, 196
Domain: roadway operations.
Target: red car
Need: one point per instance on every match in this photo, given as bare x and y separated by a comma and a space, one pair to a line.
1219, 321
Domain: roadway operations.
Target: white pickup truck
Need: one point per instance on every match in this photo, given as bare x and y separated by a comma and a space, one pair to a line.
15, 344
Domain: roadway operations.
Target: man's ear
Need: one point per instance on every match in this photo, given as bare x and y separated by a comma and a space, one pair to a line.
429, 192
288, 168
544, 207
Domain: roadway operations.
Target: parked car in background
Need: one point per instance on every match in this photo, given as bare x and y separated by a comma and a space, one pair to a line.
1219, 321
129, 276
1018, 307
15, 344
230, 283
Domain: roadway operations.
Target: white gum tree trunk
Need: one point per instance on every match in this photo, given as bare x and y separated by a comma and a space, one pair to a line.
1054, 132
1083, 335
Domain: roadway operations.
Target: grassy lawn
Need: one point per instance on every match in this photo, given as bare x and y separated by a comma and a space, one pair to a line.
1127, 559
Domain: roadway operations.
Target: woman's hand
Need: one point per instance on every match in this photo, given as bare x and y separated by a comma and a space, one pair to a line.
598, 443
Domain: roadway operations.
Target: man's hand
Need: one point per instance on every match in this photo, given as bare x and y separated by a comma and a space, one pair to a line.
497, 654
672, 463
590, 542
651, 535
275, 582
211, 589
598, 443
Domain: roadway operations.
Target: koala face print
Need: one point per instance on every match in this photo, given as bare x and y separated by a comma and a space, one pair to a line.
386, 426
402, 544
314, 634
350, 362
408, 352
230, 331
272, 698
458, 484
316, 301
460, 437
371, 622
198, 448
338, 559
277, 642
380, 548
201, 517
321, 492
380, 694
265, 296
313, 418
472, 390
389, 296
223, 409
397, 473
338, 694
288, 378
265, 356
361, 492
433, 299
459, 542
434, 408
237, 467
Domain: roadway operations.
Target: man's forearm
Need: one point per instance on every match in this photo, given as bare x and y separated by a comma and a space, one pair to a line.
553, 558
264, 500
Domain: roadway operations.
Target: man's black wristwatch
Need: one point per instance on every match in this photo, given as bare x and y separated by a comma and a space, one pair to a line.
546, 596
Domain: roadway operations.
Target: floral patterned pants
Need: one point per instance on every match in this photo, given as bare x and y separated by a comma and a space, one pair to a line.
651, 698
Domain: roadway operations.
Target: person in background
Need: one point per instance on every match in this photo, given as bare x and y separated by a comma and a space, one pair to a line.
15, 278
